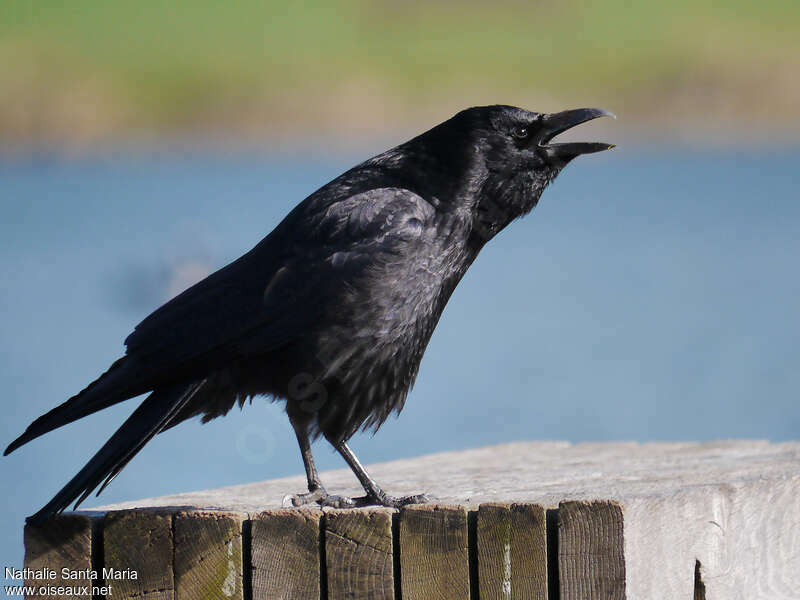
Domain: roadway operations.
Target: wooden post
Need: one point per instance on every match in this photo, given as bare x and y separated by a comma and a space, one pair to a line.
58, 543
285, 551
434, 555
137, 554
359, 557
590, 550
712, 521
208, 555
512, 552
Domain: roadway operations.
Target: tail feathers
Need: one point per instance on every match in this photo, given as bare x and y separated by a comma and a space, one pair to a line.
146, 421
111, 387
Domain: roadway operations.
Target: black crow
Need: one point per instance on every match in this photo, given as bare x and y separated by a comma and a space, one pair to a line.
332, 311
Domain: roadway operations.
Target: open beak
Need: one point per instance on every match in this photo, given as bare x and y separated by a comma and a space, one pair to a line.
555, 123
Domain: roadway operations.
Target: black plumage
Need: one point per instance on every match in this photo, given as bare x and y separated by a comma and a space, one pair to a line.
332, 311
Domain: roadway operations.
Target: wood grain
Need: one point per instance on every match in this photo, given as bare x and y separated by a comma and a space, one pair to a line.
494, 551
591, 559
62, 541
528, 552
139, 542
434, 558
208, 555
358, 553
285, 547
512, 552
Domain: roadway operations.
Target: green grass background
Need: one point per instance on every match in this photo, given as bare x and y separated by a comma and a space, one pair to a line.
90, 69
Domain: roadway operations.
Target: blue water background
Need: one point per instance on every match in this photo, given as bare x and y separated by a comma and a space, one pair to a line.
654, 294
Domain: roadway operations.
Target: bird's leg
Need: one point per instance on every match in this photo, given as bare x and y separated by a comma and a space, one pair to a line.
316, 491
375, 495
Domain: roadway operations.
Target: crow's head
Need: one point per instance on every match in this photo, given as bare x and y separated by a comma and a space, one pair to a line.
513, 158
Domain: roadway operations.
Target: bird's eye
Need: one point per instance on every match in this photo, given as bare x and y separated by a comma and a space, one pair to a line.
521, 132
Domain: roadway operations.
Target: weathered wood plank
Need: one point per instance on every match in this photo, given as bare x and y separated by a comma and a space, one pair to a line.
59, 542
512, 552
504, 474
591, 559
358, 554
285, 554
737, 503
208, 555
434, 557
528, 552
137, 545
494, 551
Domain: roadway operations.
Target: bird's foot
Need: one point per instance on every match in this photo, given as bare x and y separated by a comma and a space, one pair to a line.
383, 499
293, 500
322, 498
